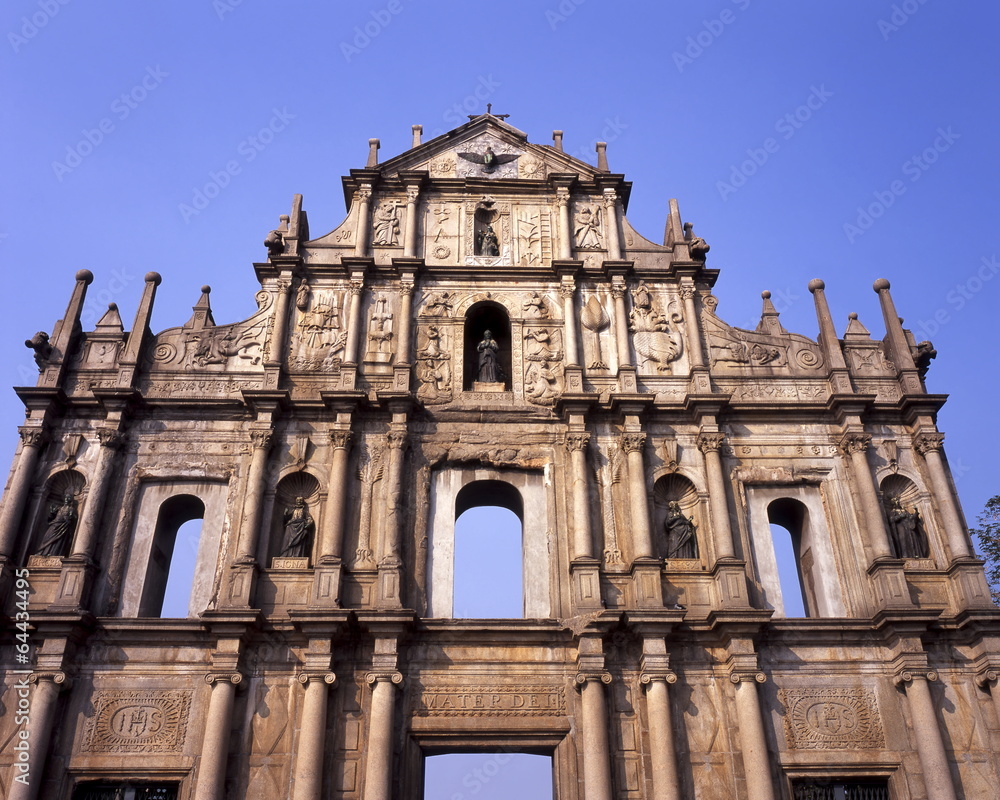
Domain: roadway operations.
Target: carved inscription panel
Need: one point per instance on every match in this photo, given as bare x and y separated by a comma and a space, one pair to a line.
137, 722
491, 701
832, 719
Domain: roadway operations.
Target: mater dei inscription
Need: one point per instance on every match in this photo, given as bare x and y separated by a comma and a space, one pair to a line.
461, 700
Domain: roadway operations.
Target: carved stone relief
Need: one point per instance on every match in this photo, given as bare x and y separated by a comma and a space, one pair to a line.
595, 319
543, 375
137, 722
319, 338
832, 719
655, 342
385, 223
491, 701
532, 236
379, 333
588, 227
487, 156
434, 364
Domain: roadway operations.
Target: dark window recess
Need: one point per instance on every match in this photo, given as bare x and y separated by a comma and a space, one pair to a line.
125, 791
841, 790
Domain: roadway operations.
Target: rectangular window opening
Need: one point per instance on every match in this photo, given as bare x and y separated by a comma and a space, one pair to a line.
486, 775
126, 791
837, 789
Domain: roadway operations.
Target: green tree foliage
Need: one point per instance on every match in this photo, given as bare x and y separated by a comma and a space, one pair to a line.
988, 534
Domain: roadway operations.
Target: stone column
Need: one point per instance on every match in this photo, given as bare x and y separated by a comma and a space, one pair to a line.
576, 444
695, 352
44, 696
594, 731
930, 746
621, 323
722, 535
666, 783
909, 377
254, 498
929, 445
354, 322
632, 444
276, 347
85, 541
611, 218
410, 239
32, 440
856, 445
405, 320
753, 740
378, 769
312, 736
568, 291
363, 197
390, 561
211, 783
566, 230
332, 538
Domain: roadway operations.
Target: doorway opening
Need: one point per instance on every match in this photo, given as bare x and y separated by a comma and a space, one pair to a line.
498, 775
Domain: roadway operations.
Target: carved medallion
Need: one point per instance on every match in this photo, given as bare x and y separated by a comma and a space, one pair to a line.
137, 722
832, 719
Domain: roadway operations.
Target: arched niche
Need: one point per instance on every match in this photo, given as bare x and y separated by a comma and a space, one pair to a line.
56, 522
675, 500
904, 522
522, 492
287, 523
485, 316
163, 506
799, 509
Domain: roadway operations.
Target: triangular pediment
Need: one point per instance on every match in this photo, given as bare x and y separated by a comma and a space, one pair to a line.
486, 147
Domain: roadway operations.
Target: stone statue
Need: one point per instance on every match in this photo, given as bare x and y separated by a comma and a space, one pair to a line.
299, 527
40, 344
489, 245
489, 365
386, 224
62, 524
587, 231
681, 539
697, 246
908, 537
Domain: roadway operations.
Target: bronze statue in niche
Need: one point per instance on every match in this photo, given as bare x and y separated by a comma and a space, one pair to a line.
299, 527
61, 525
680, 531
490, 370
909, 540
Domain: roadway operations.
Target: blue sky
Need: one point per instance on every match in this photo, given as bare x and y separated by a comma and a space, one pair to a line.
847, 141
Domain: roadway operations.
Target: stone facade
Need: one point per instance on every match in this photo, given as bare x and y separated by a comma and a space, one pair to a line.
328, 441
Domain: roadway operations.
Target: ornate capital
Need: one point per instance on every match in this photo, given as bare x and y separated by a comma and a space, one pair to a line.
711, 442
562, 198
31, 437
109, 438
262, 439
412, 193
687, 292
610, 198
390, 676
364, 194
739, 677
988, 677
929, 443
284, 284
600, 675
341, 440
667, 676
617, 292
854, 442
406, 289
234, 678
357, 287
907, 676
567, 290
60, 679
397, 439
633, 442
577, 440
326, 677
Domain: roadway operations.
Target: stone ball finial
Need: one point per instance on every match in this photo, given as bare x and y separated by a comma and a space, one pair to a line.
153, 278
86, 276
816, 285
853, 315
112, 306
766, 294
880, 284
206, 289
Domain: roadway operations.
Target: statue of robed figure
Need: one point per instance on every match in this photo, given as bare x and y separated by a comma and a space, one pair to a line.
680, 531
61, 525
299, 527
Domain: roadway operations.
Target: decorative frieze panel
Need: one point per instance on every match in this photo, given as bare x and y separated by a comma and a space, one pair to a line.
491, 701
832, 719
137, 722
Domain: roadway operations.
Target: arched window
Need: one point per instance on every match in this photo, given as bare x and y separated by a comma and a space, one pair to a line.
794, 557
483, 317
489, 554
166, 590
